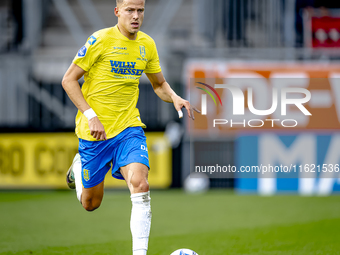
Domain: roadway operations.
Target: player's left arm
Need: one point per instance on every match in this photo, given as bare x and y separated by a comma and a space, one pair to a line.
165, 92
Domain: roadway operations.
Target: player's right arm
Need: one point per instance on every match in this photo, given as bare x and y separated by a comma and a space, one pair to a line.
72, 88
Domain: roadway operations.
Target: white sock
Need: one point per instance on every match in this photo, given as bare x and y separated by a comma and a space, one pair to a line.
78, 179
140, 252
140, 222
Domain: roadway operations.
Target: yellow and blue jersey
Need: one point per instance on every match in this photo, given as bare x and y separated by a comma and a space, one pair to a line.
113, 66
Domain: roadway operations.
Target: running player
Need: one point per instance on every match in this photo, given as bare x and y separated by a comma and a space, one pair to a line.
108, 123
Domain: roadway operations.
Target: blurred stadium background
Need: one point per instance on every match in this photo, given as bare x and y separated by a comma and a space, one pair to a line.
195, 39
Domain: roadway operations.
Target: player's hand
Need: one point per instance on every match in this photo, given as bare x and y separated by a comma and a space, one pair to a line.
179, 103
97, 129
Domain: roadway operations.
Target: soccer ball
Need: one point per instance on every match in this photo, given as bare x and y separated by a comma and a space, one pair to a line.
184, 252
196, 183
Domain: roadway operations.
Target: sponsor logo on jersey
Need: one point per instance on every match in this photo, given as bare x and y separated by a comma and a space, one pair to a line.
142, 51
82, 52
86, 175
92, 40
144, 148
120, 53
119, 48
125, 68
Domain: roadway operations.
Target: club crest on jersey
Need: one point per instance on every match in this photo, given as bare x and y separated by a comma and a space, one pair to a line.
82, 52
86, 175
92, 40
142, 51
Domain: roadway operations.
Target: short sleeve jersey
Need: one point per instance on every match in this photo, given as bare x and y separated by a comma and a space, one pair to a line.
113, 66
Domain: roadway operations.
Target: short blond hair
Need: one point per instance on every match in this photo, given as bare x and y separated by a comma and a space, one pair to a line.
119, 2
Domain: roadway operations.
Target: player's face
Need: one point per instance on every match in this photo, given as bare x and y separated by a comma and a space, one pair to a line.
130, 15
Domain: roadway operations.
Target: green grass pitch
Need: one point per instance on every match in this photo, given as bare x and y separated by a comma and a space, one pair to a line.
218, 222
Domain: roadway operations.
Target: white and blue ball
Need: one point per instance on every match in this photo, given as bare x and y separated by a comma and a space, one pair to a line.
196, 183
184, 252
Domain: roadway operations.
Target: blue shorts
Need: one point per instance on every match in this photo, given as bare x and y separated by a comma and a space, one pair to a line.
97, 156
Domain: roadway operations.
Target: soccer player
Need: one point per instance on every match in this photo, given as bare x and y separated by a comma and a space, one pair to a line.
108, 123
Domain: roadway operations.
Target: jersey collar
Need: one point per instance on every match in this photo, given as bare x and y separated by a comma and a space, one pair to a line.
122, 36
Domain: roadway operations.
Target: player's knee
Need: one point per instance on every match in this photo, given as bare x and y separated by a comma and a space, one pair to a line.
91, 205
140, 185
144, 187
